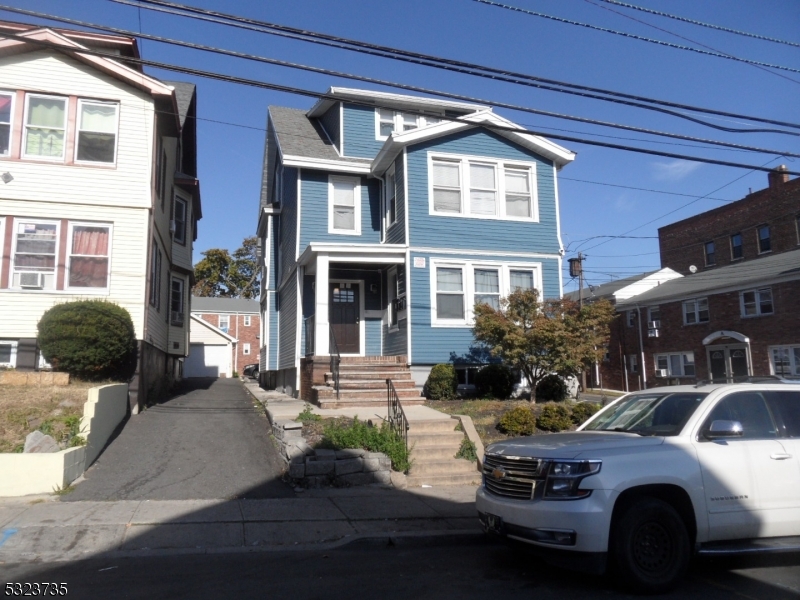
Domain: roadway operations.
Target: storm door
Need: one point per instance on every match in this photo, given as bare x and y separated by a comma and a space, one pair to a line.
345, 317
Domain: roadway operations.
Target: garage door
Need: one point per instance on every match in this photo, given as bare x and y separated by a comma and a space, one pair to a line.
205, 360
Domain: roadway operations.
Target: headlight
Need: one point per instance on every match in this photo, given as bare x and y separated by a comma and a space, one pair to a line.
564, 478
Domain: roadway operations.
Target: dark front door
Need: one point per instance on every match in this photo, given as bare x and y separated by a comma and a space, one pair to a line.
345, 316
728, 362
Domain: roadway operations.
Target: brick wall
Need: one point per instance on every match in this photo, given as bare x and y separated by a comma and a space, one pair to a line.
683, 243
246, 334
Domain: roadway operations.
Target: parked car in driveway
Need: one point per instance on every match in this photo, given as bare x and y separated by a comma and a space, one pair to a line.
653, 479
250, 371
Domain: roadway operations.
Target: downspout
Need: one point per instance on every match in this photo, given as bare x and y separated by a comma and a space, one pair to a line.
641, 346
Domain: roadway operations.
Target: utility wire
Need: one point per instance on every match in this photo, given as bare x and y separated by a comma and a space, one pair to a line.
373, 80
639, 189
534, 13
702, 24
438, 62
311, 93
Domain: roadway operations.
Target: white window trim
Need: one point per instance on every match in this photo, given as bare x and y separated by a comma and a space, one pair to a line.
173, 278
357, 203
246, 349
12, 108
696, 311
398, 122
500, 186
757, 293
227, 327
401, 314
87, 290
468, 278
650, 310
176, 199
13, 361
793, 364
25, 128
12, 262
668, 356
388, 222
81, 102
247, 321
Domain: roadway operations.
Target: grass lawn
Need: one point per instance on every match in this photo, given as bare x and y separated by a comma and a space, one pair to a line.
51, 409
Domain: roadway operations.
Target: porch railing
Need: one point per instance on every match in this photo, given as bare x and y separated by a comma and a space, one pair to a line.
308, 324
398, 422
336, 360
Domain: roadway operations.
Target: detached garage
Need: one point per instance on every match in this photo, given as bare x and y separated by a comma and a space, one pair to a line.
210, 351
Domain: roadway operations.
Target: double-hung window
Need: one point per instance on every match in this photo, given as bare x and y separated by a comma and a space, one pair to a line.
246, 349
6, 111
450, 293
711, 258
385, 122
225, 323
88, 259
35, 249
482, 188
737, 251
487, 287
680, 364
179, 218
521, 279
764, 241
176, 302
695, 311
756, 302
247, 320
344, 205
45, 126
97, 132
785, 360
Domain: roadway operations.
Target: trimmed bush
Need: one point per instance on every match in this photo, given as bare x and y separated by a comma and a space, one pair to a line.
518, 421
554, 417
495, 381
583, 410
442, 383
90, 339
551, 388
338, 435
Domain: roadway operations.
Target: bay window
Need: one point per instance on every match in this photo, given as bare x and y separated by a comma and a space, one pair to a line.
179, 217
344, 205
176, 302
34, 257
45, 126
492, 189
6, 110
88, 256
97, 132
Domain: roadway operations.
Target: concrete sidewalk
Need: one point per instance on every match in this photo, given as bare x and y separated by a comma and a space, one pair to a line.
44, 529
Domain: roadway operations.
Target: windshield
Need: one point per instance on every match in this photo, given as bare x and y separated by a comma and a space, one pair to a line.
648, 414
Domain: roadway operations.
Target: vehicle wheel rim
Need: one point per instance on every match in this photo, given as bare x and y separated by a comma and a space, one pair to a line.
652, 548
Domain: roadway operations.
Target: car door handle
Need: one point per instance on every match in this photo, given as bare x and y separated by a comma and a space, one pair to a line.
780, 456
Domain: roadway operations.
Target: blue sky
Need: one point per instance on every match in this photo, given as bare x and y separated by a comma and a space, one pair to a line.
231, 136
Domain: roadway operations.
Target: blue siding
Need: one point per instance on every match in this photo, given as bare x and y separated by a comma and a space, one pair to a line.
395, 342
431, 345
314, 207
397, 232
288, 225
359, 132
470, 233
330, 122
372, 300
373, 334
288, 324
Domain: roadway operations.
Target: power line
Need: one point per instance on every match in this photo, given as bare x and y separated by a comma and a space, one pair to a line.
702, 24
440, 62
534, 13
639, 189
407, 87
317, 95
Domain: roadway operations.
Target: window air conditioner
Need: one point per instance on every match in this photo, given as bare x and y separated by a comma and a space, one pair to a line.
172, 226
652, 332
654, 324
31, 280
662, 372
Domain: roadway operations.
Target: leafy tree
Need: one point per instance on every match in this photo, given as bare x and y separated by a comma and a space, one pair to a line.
543, 337
221, 275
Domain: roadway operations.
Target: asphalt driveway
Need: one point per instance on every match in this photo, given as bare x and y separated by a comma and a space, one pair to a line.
209, 442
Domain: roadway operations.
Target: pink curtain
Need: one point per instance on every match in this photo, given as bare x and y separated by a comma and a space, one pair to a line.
90, 269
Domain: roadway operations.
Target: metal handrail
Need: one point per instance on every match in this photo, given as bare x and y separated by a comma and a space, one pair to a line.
336, 360
396, 417
308, 323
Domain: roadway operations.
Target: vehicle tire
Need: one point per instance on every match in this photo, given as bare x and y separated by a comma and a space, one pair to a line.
651, 547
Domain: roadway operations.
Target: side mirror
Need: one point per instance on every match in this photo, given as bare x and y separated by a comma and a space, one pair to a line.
723, 429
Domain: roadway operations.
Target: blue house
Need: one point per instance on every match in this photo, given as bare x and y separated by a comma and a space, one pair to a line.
384, 219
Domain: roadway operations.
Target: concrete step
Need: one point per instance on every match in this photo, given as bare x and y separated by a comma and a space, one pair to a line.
370, 384
375, 360
377, 375
444, 480
436, 439
325, 392
425, 453
432, 425
449, 466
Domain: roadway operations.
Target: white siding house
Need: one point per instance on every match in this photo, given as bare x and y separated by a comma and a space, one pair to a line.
84, 213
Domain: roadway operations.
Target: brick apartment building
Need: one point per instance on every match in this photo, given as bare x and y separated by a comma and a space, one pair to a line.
230, 343
736, 310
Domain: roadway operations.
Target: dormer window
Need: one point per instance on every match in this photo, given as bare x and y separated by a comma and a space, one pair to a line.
388, 121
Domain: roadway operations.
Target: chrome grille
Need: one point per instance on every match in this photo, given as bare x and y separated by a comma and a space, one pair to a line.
511, 476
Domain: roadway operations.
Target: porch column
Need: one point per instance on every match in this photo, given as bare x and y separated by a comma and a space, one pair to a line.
321, 324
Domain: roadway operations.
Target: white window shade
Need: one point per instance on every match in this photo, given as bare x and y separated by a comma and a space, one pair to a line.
487, 287
450, 293
97, 133
446, 187
521, 280
518, 193
44, 127
482, 195
344, 215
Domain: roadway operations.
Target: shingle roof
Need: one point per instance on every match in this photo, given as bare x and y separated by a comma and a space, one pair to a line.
760, 271
224, 305
184, 92
300, 136
606, 290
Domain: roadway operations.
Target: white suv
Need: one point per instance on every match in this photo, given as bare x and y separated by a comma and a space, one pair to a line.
653, 478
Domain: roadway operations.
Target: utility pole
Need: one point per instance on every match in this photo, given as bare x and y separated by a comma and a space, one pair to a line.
576, 270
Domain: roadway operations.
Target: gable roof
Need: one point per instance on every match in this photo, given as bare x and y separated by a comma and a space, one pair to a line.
622, 289
216, 330
390, 100
225, 305
184, 94
760, 271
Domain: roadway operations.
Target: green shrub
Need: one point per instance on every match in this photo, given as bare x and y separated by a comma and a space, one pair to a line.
467, 451
551, 388
495, 381
442, 383
338, 434
554, 417
307, 416
583, 410
90, 339
518, 421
